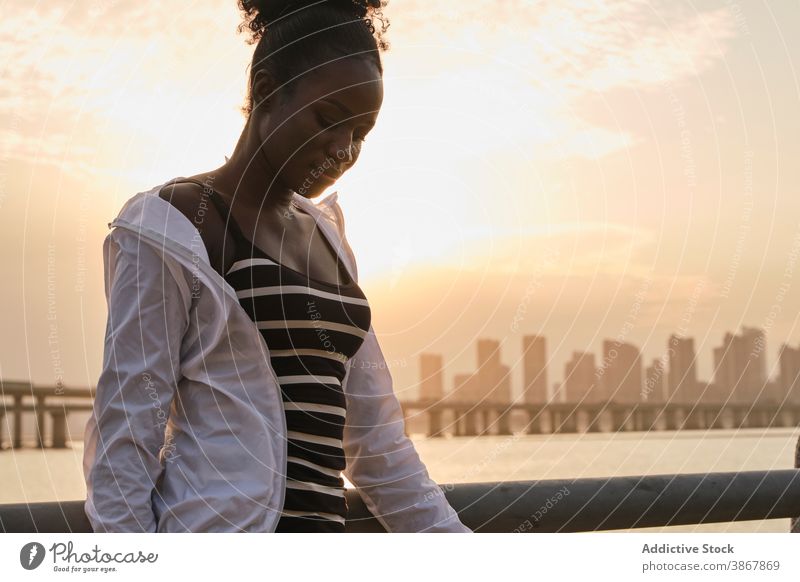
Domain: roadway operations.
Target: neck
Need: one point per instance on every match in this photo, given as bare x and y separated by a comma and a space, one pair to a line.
248, 178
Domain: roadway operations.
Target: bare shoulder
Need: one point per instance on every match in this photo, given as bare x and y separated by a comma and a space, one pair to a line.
194, 203
186, 197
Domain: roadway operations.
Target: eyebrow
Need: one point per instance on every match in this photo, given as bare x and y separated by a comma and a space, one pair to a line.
342, 107
339, 105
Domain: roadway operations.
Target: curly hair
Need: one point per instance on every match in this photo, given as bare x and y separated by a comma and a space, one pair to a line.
295, 36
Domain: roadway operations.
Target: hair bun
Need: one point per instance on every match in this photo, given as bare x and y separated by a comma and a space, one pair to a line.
259, 15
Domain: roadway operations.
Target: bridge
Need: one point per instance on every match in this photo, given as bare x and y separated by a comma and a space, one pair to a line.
485, 418
50, 406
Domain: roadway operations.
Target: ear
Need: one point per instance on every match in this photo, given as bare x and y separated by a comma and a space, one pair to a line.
263, 91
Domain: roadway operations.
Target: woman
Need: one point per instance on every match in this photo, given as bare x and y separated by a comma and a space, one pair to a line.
238, 340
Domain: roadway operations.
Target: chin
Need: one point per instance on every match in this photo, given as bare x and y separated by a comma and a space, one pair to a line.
314, 190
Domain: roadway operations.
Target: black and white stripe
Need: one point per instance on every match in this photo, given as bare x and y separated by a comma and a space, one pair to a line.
312, 328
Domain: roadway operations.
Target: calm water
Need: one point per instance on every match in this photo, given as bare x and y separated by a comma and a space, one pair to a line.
31, 475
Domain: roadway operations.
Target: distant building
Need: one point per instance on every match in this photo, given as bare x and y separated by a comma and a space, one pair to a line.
559, 393
466, 390
431, 377
789, 378
493, 377
682, 373
621, 372
501, 392
740, 366
653, 390
534, 357
580, 380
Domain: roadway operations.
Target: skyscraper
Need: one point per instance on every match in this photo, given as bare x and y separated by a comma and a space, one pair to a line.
682, 373
534, 355
431, 377
621, 372
493, 377
465, 390
653, 390
579, 379
789, 379
755, 371
740, 366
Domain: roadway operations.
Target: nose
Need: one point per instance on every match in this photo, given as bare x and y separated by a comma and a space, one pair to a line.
342, 153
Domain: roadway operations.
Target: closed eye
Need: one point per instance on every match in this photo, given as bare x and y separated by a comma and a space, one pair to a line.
323, 122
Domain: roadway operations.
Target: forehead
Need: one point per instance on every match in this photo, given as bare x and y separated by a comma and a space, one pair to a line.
355, 82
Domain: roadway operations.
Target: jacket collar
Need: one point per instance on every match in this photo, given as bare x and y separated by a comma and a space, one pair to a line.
159, 223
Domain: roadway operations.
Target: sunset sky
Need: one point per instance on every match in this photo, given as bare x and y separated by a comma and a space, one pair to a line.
588, 169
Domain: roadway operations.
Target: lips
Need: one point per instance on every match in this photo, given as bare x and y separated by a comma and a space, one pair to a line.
331, 175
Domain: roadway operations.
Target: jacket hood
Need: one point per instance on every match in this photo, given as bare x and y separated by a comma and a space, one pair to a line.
162, 225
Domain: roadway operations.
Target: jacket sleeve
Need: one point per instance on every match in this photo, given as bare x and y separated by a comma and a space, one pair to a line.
148, 313
381, 460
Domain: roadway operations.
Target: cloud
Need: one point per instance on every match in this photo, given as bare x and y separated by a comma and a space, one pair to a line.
523, 67
515, 71
96, 75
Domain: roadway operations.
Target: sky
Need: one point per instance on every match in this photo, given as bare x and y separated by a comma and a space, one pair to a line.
582, 170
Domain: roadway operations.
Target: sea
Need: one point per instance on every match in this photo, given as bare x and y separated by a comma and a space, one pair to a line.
31, 475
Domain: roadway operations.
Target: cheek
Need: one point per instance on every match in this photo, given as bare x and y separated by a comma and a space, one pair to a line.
292, 146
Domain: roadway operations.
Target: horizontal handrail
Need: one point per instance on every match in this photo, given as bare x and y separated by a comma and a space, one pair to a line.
562, 505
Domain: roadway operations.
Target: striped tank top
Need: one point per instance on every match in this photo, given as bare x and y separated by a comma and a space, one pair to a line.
312, 329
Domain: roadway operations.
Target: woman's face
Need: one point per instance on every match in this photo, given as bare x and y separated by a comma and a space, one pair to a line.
318, 130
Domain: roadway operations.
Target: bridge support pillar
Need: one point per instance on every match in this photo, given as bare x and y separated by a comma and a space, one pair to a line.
617, 416
571, 421
694, 419
741, 418
434, 423
40, 426
555, 422
676, 419
785, 418
534, 421
17, 441
645, 420
470, 423
486, 419
660, 420
583, 420
59, 429
504, 422
594, 420
547, 421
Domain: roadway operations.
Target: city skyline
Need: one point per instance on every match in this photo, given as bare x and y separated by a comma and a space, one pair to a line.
739, 377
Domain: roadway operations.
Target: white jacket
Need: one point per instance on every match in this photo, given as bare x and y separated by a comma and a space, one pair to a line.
188, 430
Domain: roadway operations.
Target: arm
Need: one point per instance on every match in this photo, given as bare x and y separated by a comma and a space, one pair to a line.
148, 300
381, 460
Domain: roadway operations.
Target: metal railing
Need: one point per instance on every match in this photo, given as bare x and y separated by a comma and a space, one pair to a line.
565, 505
